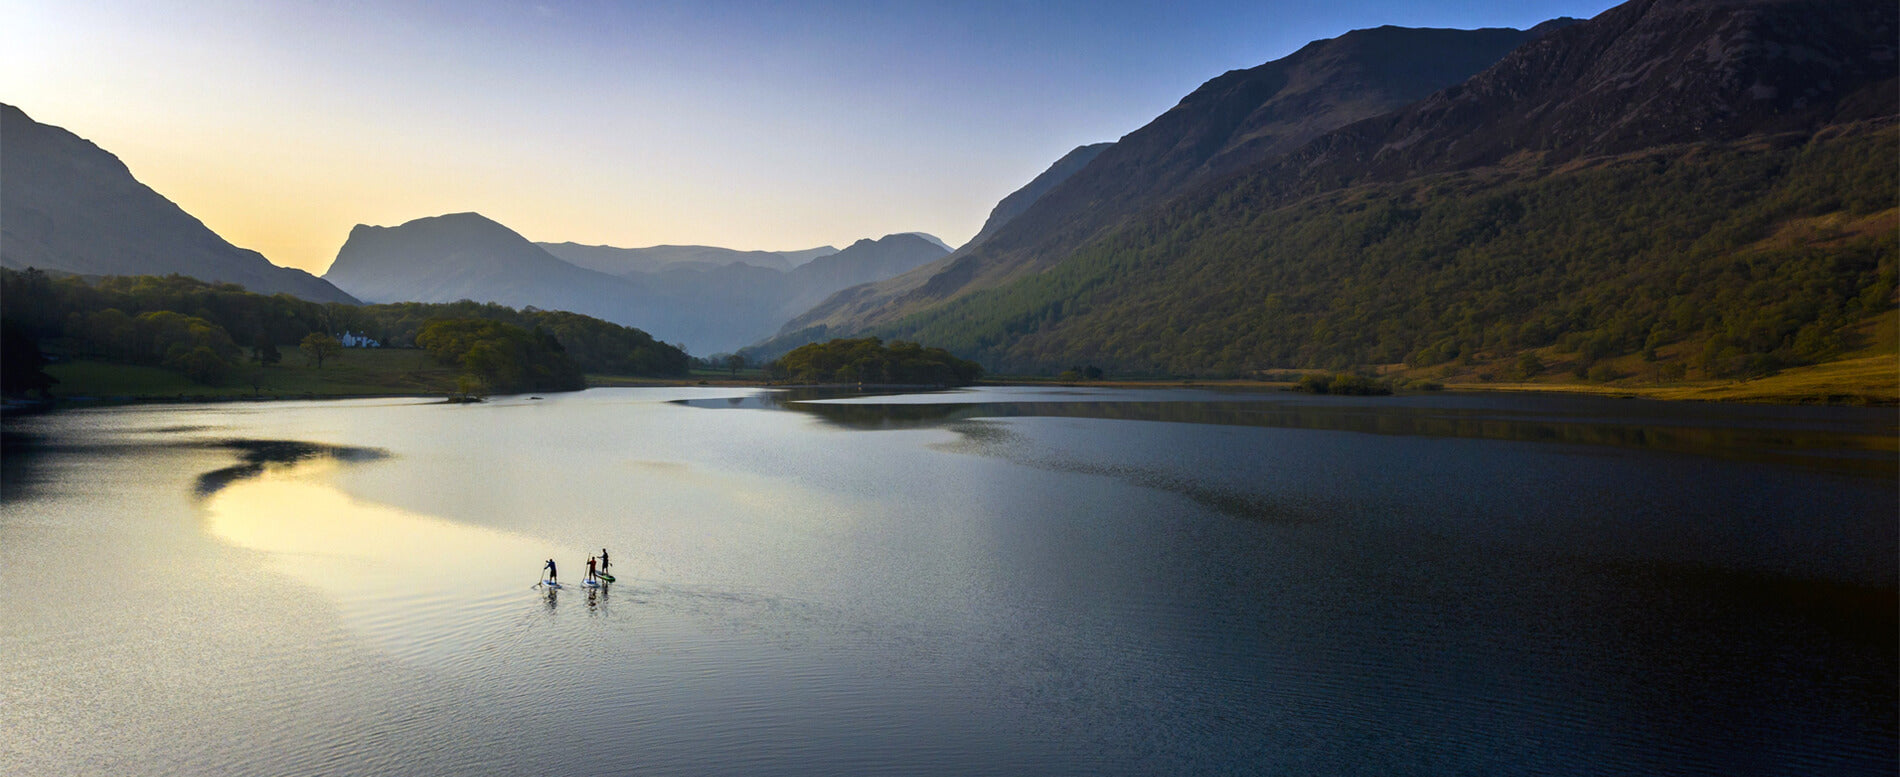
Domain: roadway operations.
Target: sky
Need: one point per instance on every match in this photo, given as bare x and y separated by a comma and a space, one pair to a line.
771, 125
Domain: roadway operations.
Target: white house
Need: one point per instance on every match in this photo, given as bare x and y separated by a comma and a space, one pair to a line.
353, 340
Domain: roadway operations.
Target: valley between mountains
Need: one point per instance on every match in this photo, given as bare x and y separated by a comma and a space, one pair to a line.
1673, 193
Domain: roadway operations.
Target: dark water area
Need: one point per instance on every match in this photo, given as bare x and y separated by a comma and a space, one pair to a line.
994, 581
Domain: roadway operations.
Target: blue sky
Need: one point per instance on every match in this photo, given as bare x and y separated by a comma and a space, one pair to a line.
749, 125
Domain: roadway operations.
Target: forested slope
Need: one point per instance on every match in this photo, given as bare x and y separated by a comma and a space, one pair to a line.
1728, 259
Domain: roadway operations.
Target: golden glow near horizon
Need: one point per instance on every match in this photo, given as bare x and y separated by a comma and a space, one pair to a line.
746, 125
402, 578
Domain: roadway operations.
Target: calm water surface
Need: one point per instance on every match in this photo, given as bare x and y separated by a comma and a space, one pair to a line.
996, 581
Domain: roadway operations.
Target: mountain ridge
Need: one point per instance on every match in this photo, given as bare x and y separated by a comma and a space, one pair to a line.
460, 256
1693, 131
711, 307
615, 260
1239, 117
72, 206
1018, 201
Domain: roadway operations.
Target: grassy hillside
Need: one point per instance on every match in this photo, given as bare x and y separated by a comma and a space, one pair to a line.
1707, 262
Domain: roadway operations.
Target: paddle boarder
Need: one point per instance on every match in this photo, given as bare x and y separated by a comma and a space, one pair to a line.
603, 559
553, 574
590, 569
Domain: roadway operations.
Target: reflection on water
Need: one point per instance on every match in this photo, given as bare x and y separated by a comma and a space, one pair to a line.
18, 451
257, 456
416, 583
1842, 439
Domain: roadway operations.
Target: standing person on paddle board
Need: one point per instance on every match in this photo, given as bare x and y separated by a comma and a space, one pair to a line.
553, 574
590, 568
603, 559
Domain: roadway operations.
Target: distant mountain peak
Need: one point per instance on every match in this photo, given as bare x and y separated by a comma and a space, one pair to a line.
460, 256
930, 238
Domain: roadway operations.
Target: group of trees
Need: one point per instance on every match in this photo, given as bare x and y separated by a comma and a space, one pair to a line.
197, 328
173, 322
1724, 261
732, 363
597, 346
503, 357
869, 360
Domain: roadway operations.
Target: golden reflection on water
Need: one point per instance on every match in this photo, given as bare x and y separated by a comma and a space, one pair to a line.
412, 581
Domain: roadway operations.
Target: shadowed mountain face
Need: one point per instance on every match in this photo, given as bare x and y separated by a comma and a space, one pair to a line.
69, 205
709, 307
1237, 120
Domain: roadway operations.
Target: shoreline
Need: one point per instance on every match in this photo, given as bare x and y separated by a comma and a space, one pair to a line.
1727, 392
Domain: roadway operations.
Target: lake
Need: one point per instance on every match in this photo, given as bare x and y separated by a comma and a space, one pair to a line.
989, 581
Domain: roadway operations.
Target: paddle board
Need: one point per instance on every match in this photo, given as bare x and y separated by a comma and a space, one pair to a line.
604, 576
550, 584
592, 584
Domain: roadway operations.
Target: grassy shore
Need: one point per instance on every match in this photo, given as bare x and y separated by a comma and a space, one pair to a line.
1867, 375
1873, 380
1871, 376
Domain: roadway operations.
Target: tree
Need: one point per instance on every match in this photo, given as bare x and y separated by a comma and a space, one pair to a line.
318, 346
502, 357
734, 362
869, 360
21, 363
264, 352
1528, 366
201, 364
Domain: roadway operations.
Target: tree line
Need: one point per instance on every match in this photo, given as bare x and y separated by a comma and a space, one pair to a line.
869, 360
207, 331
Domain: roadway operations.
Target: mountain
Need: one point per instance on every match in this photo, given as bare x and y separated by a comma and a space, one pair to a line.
933, 239
858, 297
1676, 188
620, 261
796, 258
1644, 74
1238, 119
1018, 201
866, 261
731, 306
467, 256
69, 205
708, 306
